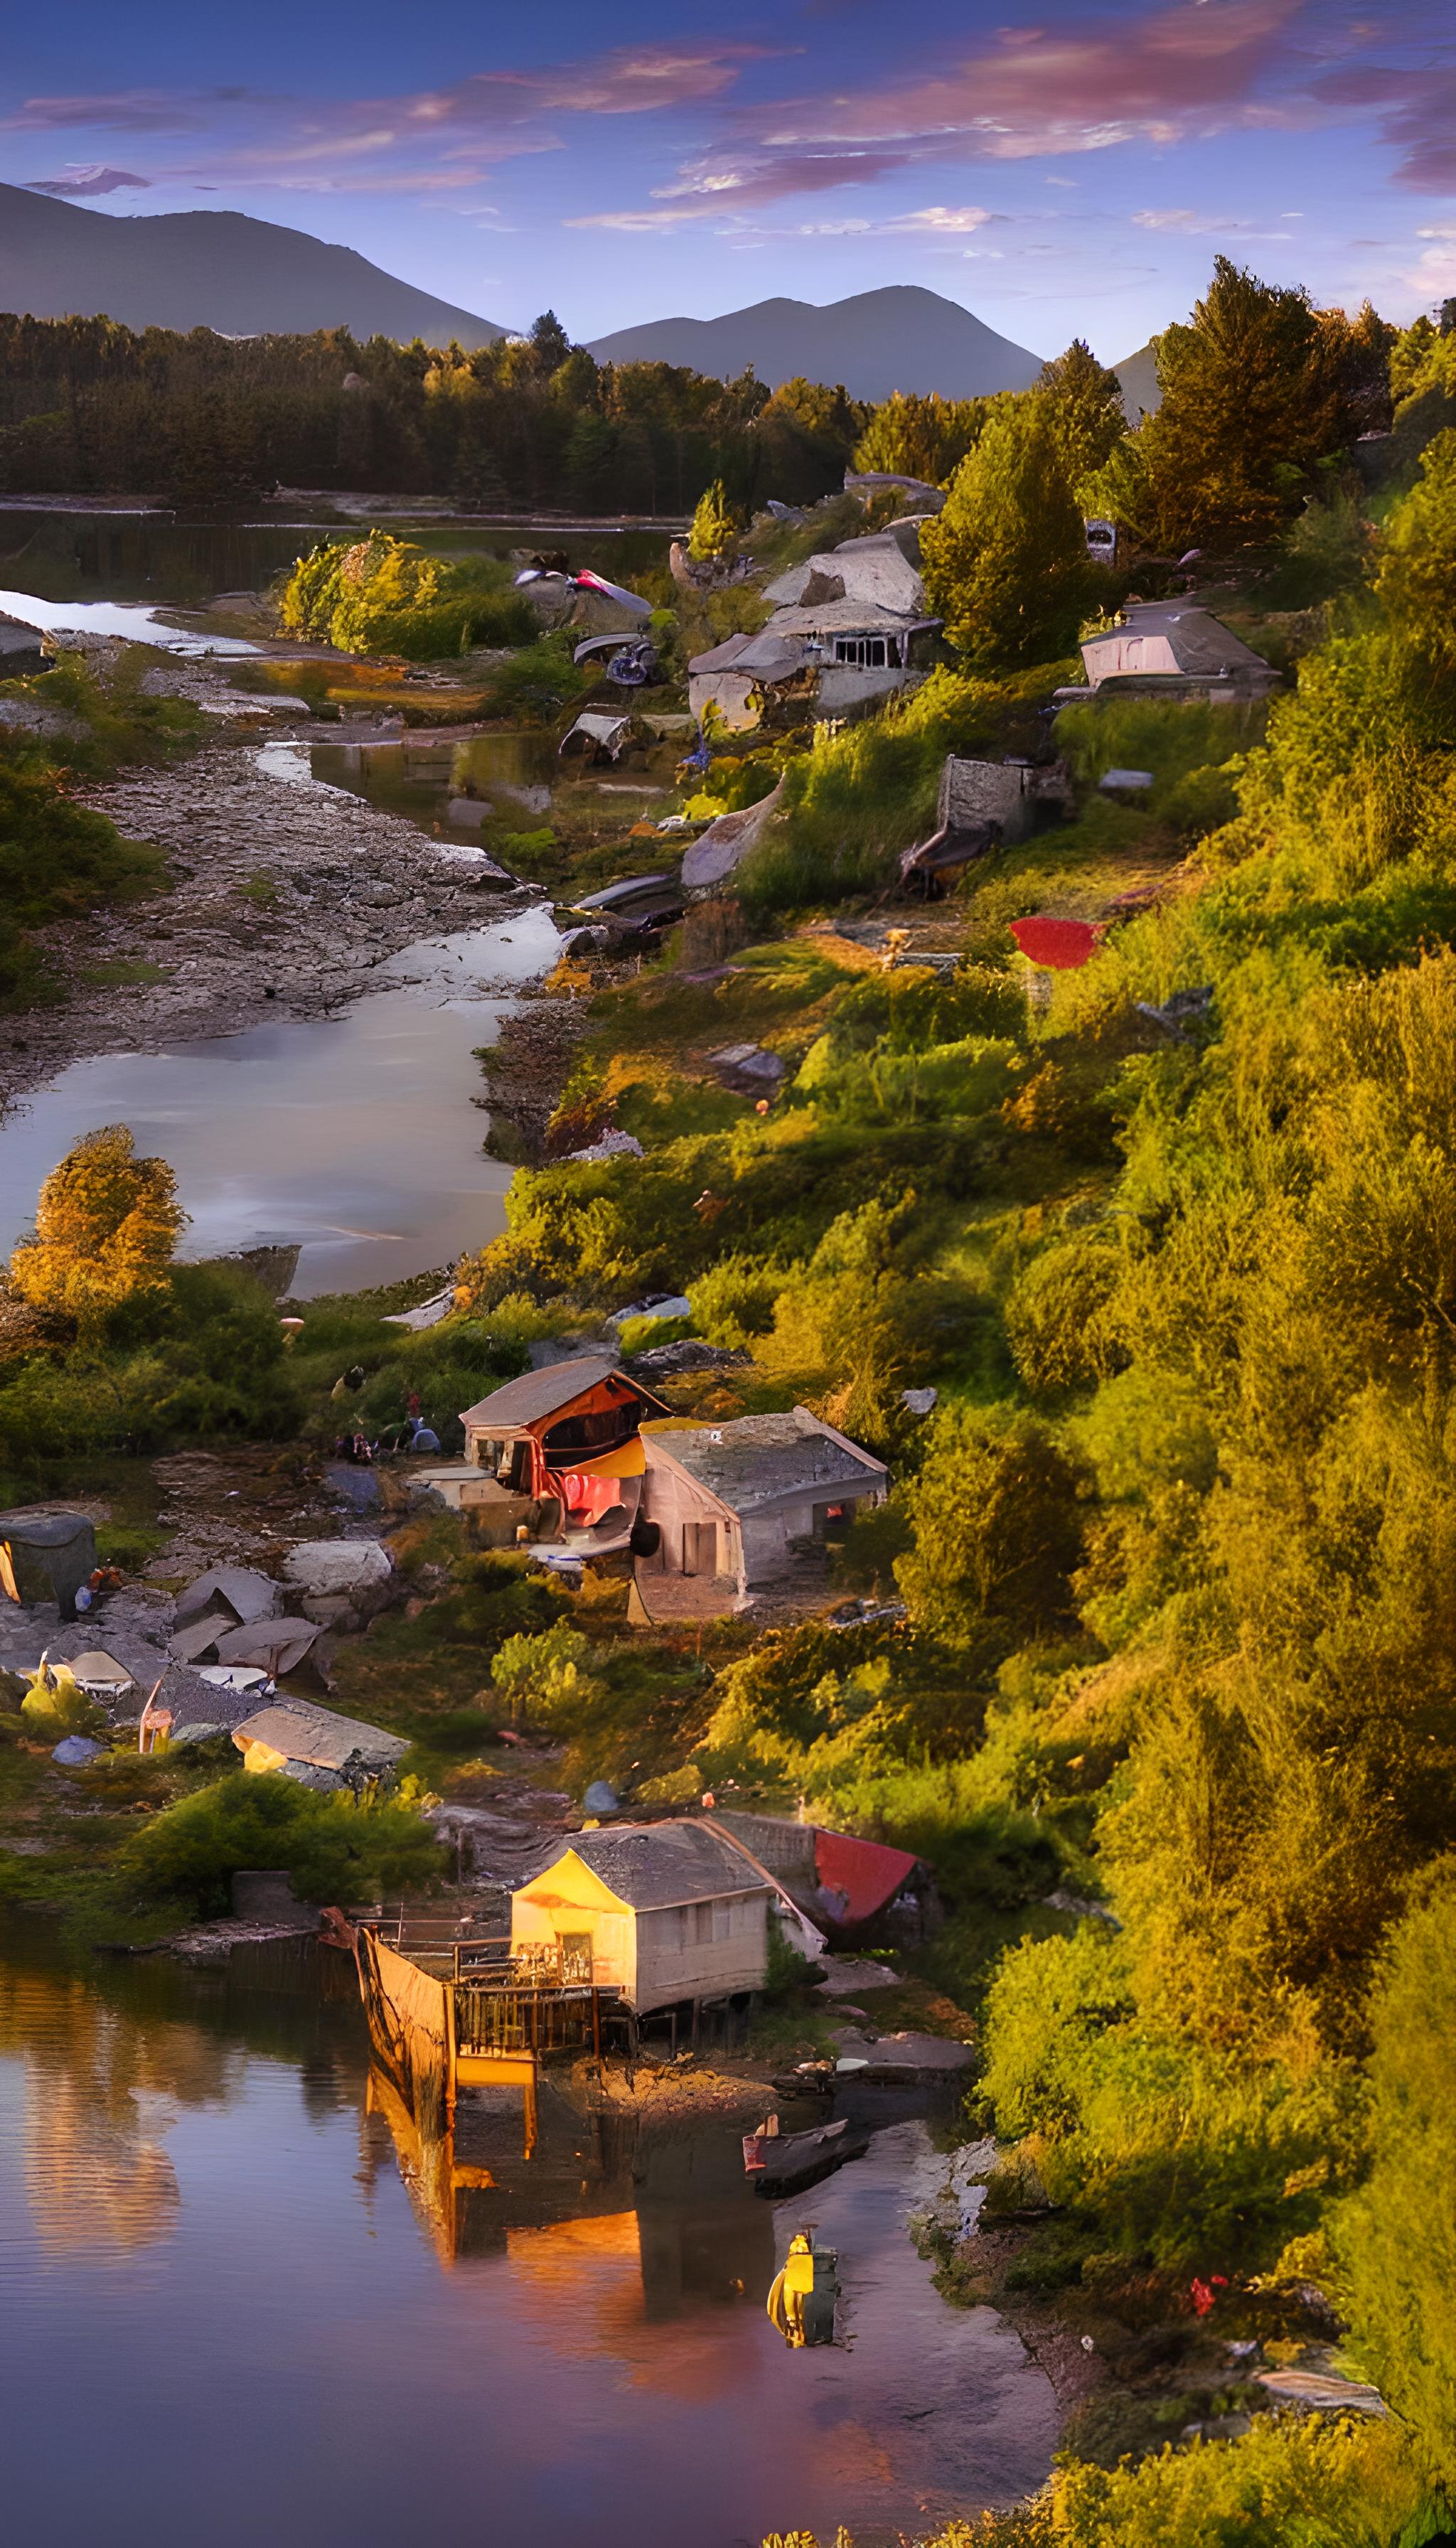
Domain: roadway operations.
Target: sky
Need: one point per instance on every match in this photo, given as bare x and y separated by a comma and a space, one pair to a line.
1061, 169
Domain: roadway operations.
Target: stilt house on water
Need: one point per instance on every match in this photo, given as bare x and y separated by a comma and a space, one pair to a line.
663, 1914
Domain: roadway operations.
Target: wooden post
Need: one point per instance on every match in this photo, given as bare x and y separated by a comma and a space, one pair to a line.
530, 2114
450, 2054
596, 2023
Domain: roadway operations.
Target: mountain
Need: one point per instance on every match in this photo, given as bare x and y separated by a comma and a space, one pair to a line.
219, 270
898, 338
1137, 380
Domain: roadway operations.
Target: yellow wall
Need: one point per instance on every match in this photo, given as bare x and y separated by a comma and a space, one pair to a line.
569, 1900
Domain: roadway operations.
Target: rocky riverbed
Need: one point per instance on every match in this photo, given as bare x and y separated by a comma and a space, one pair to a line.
285, 896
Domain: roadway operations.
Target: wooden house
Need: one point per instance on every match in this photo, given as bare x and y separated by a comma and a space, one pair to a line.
733, 1501
569, 1431
661, 1913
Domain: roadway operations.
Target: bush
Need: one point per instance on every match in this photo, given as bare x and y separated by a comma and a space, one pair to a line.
384, 596
542, 1678
335, 1849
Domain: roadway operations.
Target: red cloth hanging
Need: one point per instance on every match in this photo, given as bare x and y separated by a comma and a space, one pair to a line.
1063, 944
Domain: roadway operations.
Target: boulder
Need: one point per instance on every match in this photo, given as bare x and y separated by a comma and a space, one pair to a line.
322, 1568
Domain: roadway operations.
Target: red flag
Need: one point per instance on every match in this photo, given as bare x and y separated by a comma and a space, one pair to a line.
1061, 944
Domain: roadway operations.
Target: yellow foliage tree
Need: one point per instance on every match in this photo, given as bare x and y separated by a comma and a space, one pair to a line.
106, 1226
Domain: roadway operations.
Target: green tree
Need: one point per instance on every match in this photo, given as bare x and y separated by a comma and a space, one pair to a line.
1006, 563
713, 529
997, 1533
1255, 391
923, 436
106, 1226
1083, 403
1398, 2236
1417, 573
551, 341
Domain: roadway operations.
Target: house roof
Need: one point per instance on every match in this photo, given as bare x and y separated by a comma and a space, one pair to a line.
865, 1872
863, 616
874, 568
763, 654
1200, 642
545, 1393
317, 1735
758, 1459
651, 1866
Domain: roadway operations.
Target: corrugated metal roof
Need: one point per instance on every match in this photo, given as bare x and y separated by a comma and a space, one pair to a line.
758, 1458
652, 1865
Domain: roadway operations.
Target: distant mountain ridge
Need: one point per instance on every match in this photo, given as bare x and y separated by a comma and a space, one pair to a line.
900, 338
220, 271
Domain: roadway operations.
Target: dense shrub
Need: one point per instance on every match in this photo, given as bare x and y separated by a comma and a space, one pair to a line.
336, 1849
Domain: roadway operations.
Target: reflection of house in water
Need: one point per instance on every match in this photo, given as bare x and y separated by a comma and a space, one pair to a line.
671, 2204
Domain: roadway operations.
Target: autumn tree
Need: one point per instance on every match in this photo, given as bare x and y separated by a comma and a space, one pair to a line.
106, 1226
1006, 564
1083, 404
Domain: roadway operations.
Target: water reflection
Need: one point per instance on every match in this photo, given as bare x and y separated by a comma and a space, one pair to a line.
357, 1136
276, 2306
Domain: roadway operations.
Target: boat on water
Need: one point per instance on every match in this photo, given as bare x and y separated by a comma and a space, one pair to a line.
780, 2164
804, 2292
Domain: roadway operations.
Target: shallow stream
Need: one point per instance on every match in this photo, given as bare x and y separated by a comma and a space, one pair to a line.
239, 2309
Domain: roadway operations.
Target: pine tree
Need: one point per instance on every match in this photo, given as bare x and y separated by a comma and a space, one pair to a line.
1006, 565
1083, 403
713, 529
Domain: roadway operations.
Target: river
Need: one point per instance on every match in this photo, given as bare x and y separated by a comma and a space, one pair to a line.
357, 1136
230, 2317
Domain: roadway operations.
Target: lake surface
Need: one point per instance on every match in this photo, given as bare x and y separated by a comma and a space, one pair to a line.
357, 1136
230, 2318
95, 555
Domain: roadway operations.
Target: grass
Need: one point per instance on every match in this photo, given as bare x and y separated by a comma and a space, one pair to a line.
125, 971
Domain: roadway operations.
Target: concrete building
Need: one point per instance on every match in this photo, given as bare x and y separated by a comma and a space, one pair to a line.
662, 1913
727, 1502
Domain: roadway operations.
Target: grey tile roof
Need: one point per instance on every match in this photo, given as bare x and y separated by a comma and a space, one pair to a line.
652, 1864
758, 1458
540, 1392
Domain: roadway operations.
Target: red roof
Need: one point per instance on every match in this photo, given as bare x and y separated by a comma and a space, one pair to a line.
864, 1870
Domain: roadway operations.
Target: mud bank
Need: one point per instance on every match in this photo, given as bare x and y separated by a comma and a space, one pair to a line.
285, 895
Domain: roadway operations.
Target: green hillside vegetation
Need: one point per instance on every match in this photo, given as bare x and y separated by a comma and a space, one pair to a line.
1173, 1240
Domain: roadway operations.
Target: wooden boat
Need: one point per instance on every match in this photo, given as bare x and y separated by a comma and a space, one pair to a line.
794, 2161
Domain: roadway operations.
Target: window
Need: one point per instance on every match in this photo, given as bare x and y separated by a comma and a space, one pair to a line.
870, 652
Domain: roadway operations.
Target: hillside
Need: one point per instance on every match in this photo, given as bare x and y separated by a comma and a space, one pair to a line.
219, 270
874, 343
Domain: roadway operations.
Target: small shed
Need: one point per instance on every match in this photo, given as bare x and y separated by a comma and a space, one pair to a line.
1178, 648
730, 1502
543, 1432
316, 1746
598, 736
45, 1556
662, 1913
